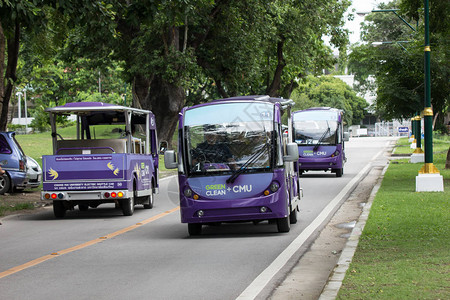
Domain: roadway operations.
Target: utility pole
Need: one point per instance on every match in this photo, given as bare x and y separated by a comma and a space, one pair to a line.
429, 178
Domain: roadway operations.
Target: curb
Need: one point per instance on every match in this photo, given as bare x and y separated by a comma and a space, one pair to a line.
331, 289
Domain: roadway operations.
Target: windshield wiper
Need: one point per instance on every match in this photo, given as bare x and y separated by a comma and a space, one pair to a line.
251, 160
322, 137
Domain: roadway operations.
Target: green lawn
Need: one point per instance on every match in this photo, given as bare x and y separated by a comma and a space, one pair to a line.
403, 251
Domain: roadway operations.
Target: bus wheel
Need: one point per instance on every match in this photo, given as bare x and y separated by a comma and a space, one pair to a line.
128, 206
150, 199
58, 209
339, 172
83, 207
293, 216
194, 228
283, 224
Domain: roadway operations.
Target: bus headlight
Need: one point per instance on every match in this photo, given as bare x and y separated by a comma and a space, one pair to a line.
188, 192
274, 186
335, 153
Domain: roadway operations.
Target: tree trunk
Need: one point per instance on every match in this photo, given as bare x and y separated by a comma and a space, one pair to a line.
2, 73
274, 89
10, 75
166, 100
141, 88
447, 161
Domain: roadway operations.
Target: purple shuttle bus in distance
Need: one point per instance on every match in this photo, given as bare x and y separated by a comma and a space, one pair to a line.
234, 164
111, 158
319, 134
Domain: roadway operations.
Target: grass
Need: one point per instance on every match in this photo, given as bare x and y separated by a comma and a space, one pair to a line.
403, 250
439, 141
11, 207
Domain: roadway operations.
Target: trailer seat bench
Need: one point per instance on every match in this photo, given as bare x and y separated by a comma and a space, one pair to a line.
106, 146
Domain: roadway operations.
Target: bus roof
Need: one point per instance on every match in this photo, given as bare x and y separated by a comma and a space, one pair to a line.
79, 107
264, 98
320, 108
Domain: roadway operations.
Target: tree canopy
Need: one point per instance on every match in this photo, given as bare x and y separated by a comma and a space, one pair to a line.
329, 91
398, 63
171, 52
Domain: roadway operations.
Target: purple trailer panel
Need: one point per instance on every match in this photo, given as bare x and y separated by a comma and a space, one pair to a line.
91, 172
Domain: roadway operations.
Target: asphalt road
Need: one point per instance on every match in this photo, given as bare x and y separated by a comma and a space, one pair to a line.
100, 254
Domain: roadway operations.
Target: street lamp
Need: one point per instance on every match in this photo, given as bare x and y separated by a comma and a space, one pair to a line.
26, 114
429, 179
376, 44
19, 112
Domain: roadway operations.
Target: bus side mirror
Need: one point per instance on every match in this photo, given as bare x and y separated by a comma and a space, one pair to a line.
291, 152
163, 147
170, 161
346, 136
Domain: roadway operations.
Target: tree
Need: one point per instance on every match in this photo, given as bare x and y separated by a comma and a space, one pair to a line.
329, 91
15, 16
34, 29
398, 67
172, 48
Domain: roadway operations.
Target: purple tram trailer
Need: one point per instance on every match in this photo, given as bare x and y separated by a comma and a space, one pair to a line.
111, 158
234, 163
319, 134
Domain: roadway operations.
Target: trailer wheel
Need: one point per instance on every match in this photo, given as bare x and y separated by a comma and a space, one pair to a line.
128, 206
283, 224
194, 228
339, 172
5, 184
59, 210
150, 199
293, 216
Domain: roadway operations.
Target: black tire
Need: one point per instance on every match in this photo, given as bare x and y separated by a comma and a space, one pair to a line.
59, 210
83, 207
128, 206
5, 184
150, 199
283, 224
293, 216
339, 172
194, 228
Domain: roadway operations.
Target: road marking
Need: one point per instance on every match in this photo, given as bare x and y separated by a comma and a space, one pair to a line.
84, 245
263, 279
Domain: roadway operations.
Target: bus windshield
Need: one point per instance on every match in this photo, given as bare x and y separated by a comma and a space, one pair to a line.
222, 138
315, 127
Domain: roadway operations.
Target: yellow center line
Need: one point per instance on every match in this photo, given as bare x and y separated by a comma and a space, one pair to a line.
39, 260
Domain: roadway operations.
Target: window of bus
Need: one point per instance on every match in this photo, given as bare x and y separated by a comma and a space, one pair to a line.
312, 128
225, 137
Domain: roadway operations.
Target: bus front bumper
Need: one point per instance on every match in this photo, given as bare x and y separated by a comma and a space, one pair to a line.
319, 163
249, 209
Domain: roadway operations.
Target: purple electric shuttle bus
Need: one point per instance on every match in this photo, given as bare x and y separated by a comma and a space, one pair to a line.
319, 133
234, 163
111, 158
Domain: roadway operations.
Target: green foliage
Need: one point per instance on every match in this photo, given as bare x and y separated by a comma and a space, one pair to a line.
398, 68
207, 48
332, 92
